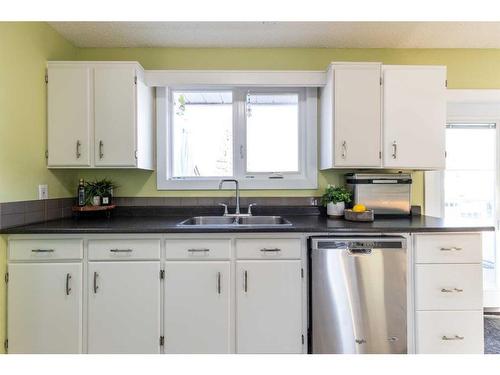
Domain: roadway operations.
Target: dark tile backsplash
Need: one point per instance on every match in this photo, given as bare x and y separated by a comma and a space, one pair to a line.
29, 212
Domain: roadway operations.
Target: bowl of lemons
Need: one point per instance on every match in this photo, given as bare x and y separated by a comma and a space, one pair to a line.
359, 213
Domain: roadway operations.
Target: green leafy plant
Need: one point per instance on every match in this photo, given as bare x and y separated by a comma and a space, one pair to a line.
336, 194
98, 188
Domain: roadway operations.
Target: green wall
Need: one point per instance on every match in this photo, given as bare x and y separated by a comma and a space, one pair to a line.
24, 50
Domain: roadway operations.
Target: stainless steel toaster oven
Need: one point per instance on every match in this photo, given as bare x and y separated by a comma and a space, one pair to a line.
386, 194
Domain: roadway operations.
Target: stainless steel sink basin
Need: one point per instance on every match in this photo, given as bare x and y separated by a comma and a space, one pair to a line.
209, 220
217, 221
263, 220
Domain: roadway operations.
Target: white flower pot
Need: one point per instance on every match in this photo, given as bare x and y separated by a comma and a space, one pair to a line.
96, 200
335, 209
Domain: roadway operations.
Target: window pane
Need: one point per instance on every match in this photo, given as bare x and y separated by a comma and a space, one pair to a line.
469, 148
202, 134
272, 133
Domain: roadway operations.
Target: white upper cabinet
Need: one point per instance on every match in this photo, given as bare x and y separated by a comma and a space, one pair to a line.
115, 116
414, 113
99, 115
351, 119
383, 116
69, 116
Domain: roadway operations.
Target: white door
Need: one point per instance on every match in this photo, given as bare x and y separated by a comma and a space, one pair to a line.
197, 310
69, 116
124, 307
414, 116
357, 110
269, 306
115, 116
45, 308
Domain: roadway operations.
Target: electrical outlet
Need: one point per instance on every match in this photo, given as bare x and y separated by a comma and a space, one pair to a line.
43, 192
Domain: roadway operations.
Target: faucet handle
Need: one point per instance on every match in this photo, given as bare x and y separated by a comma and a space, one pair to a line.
250, 208
225, 208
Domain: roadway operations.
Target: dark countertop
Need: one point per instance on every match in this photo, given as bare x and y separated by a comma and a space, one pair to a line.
153, 221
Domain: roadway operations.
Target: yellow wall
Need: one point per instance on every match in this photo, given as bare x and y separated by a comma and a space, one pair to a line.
24, 50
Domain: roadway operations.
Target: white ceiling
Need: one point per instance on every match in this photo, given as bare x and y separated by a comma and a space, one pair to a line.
283, 34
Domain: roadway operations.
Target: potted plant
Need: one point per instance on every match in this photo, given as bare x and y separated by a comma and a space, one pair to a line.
99, 192
334, 199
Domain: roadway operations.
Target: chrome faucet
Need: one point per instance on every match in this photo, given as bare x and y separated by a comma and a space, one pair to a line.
237, 189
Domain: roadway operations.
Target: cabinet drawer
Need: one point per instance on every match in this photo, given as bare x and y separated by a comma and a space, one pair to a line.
449, 332
34, 249
448, 286
448, 248
269, 248
198, 249
124, 249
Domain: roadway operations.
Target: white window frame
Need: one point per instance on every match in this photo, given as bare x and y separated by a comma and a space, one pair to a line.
305, 178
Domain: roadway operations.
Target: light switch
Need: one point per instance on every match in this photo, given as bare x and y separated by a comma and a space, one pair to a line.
43, 192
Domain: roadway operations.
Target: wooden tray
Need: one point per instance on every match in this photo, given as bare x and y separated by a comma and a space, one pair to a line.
93, 208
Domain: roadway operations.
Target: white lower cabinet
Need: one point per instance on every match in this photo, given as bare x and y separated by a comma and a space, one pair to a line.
124, 307
45, 308
197, 307
449, 332
448, 293
268, 306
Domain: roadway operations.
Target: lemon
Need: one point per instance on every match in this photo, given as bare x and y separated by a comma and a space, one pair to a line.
359, 208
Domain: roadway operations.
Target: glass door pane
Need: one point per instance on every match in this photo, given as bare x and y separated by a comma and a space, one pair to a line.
470, 184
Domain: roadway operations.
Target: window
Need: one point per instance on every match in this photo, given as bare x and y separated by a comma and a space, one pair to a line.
264, 137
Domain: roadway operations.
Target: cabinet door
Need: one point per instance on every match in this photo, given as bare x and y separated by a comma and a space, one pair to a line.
45, 308
115, 116
269, 306
124, 307
414, 116
69, 116
357, 110
197, 309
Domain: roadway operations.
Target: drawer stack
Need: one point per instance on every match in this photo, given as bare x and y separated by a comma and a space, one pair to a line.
448, 293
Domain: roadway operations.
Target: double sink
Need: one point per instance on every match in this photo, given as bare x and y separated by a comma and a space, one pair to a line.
232, 221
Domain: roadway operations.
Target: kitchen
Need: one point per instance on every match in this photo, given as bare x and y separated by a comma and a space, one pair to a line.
167, 193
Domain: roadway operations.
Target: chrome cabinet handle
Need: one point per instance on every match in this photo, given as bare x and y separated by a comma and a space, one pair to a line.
344, 149
198, 250
455, 337
42, 250
101, 152
450, 248
96, 275
78, 153
457, 290
274, 250
218, 283
245, 281
394, 150
68, 289
121, 250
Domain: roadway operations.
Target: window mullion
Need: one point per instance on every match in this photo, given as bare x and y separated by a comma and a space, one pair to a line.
239, 133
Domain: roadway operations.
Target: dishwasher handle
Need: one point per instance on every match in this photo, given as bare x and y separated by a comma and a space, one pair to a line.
356, 252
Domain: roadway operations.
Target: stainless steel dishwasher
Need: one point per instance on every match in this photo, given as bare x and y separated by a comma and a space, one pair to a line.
358, 295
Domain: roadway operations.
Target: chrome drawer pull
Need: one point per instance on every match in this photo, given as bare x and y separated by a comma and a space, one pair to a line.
68, 289
218, 283
451, 248
121, 250
42, 250
95, 282
448, 338
458, 290
198, 250
275, 250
